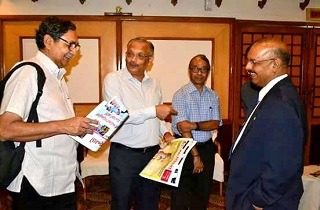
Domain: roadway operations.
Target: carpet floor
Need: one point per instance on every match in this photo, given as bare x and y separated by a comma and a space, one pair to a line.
98, 196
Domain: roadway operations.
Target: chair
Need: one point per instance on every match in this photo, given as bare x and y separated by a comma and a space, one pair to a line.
94, 164
218, 173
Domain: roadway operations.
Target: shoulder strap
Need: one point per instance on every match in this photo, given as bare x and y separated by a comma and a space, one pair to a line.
33, 115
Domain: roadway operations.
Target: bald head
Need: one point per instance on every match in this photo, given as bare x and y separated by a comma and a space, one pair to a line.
275, 48
268, 59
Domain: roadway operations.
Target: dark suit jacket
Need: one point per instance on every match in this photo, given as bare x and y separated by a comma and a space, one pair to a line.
267, 164
249, 95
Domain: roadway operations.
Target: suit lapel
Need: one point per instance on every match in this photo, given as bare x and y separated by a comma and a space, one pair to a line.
282, 82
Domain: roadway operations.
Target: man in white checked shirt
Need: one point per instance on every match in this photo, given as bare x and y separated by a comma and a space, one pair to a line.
198, 115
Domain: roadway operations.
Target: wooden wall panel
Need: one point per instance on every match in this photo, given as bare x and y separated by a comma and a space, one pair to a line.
13, 32
314, 88
105, 32
1, 52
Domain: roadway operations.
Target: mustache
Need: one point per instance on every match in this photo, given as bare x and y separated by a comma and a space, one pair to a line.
133, 64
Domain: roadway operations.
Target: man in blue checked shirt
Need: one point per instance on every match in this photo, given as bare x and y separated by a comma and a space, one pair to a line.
198, 115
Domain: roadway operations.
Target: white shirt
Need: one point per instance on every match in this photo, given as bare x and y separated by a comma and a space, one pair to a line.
50, 169
263, 92
143, 128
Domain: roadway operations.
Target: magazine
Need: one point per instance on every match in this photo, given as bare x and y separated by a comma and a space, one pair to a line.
166, 165
110, 115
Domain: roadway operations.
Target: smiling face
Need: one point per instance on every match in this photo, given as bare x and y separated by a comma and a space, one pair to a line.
260, 66
268, 59
138, 57
59, 51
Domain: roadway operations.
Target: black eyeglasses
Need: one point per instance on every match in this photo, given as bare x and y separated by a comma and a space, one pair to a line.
140, 56
257, 62
71, 45
195, 69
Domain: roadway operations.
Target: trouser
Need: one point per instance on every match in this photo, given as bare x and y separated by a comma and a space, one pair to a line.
29, 199
194, 190
127, 186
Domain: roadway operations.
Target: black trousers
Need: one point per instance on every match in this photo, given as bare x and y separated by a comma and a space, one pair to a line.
29, 199
128, 188
194, 190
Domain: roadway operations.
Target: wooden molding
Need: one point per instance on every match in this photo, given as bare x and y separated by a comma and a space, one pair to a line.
262, 3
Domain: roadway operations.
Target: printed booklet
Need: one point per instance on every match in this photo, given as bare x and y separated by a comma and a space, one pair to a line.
166, 166
110, 115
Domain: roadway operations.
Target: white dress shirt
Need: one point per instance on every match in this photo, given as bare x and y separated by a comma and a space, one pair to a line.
50, 169
143, 128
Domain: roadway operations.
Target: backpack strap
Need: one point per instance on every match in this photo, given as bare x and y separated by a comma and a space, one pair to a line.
33, 115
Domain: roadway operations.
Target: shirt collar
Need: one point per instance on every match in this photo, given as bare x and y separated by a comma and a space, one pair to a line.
191, 88
50, 65
127, 75
270, 85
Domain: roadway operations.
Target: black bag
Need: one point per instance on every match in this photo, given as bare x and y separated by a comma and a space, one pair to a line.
11, 157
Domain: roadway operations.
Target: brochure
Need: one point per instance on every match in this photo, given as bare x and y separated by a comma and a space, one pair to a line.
166, 165
111, 116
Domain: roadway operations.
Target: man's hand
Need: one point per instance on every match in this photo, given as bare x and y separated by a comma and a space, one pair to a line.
163, 110
79, 126
197, 164
186, 126
12, 127
167, 138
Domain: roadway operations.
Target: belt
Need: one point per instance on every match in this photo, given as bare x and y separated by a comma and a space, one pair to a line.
142, 150
205, 142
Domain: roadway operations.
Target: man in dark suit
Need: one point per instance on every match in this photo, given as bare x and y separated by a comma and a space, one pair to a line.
267, 155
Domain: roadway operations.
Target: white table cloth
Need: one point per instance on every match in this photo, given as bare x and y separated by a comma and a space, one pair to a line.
310, 199
96, 163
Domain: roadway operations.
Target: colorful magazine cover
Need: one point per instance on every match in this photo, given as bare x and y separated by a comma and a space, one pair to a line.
110, 115
166, 165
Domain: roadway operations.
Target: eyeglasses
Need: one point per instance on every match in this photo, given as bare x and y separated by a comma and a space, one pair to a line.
71, 45
195, 69
140, 56
257, 62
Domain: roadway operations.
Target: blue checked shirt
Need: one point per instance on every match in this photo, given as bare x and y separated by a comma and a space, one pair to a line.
194, 107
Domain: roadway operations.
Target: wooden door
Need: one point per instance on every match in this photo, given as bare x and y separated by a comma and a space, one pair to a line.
312, 96
297, 39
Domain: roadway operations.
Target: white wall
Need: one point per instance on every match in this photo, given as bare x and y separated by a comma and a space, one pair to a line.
284, 10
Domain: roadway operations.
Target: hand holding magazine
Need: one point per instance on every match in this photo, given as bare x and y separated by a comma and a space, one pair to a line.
110, 115
166, 165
